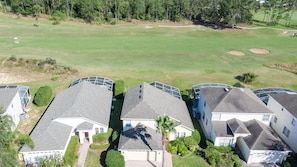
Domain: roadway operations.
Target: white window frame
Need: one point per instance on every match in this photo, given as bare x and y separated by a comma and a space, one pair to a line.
266, 117
293, 122
286, 132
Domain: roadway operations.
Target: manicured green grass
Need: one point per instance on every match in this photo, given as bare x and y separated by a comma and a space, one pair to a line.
93, 159
190, 160
135, 53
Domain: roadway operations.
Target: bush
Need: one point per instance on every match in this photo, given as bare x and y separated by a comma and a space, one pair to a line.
239, 85
12, 58
172, 148
114, 159
25, 139
102, 136
196, 136
115, 135
247, 77
119, 87
70, 154
43, 96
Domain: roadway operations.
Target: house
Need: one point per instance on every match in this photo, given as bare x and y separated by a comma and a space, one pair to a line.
13, 100
284, 122
83, 109
225, 116
262, 145
143, 103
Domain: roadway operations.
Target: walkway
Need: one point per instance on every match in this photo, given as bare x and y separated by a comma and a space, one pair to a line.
83, 152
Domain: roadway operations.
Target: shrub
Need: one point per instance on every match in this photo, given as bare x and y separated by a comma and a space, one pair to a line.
12, 58
43, 96
54, 78
172, 148
119, 87
182, 149
115, 135
114, 159
247, 77
70, 154
196, 136
102, 136
238, 84
189, 142
25, 139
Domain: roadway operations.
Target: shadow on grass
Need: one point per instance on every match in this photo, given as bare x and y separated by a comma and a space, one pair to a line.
102, 158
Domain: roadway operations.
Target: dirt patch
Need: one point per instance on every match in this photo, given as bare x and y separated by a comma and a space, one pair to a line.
236, 53
259, 51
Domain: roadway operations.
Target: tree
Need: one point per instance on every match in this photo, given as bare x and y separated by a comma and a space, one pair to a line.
114, 159
7, 152
165, 125
43, 96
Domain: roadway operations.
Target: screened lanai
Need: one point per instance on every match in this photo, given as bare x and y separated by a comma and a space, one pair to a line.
24, 92
95, 80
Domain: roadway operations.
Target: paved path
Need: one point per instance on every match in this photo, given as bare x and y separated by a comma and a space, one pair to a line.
167, 159
83, 152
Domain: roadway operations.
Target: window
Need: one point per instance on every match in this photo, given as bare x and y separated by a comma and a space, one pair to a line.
203, 116
275, 120
266, 117
206, 121
96, 130
293, 122
180, 134
286, 132
101, 130
128, 123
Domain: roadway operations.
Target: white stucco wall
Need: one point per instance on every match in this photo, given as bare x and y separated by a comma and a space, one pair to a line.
14, 109
223, 141
180, 130
142, 155
33, 157
284, 118
241, 116
244, 149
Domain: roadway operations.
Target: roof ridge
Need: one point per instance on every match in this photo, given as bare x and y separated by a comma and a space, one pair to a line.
225, 95
258, 137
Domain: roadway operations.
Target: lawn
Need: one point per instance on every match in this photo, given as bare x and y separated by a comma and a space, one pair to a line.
137, 52
190, 160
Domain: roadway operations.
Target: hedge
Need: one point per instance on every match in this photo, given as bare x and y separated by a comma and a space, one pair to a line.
114, 159
43, 96
70, 154
102, 136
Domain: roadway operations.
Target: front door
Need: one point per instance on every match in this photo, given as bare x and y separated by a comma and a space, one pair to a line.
87, 135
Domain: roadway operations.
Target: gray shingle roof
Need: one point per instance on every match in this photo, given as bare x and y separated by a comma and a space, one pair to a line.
237, 126
288, 101
144, 101
84, 126
237, 100
140, 138
262, 137
84, 100
6, 96
221, 129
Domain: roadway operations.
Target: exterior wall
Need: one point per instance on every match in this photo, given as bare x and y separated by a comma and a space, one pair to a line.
244, 149
223, 141
260, 156
284, 118
143, 155
242, 116
14, 110
33, 157
180, 132
267, 156
205, 122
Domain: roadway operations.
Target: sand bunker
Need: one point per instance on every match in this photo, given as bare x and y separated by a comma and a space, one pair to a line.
259, 51
236, 53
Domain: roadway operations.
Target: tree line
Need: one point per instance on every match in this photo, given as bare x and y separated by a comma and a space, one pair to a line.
102, 11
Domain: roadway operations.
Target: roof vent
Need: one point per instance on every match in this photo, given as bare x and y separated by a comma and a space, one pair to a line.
241, 89
226, 89
139, 96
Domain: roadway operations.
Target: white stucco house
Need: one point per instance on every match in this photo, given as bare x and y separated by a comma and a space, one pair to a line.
233, 117
82, 109
284, 122
13, 101
143, 103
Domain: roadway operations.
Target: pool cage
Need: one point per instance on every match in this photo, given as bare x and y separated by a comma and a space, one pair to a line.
24, 93
168, 89
263, 93
95, 80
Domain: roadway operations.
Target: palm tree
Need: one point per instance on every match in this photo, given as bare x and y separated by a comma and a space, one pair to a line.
165, 125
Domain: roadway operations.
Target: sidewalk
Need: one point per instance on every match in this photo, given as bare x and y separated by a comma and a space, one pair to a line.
83, 152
